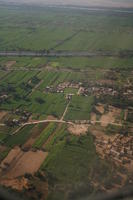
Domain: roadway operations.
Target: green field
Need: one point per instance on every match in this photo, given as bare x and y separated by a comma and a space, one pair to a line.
37, 29
70, 162
32, 91
44, 135
20, 138
80, 108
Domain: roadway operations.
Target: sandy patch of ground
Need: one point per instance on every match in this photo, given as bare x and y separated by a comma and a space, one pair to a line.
78, 129
18, 163
2, 114
98, 133
116, 111
93, 118
13, 154
29, 143
17, 184
100, 108
107, 119
107, 82
10, 64
112, 116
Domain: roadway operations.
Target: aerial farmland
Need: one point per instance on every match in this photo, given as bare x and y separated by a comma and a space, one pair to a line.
66, 111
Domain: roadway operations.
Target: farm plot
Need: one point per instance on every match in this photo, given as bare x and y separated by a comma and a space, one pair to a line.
3, 152
71, 161
29, 62
48, 78
45, 135
19, 77
19, 138
5, 132
47, 104
16, 86
41, 36
99, 62
36, 131
58, 135
2, 75
20, 62
20, 163
64, 29
99, 40
80, 108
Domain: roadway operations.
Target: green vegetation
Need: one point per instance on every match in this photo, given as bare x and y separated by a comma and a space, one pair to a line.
59, 135
112, 129
52, 104
80, 108
20, 137
85, 31
71, 161
44, 135
30, 86
4, 153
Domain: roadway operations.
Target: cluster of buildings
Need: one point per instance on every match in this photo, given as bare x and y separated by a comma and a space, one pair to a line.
98, 91
24, 116
119, 149
61, 87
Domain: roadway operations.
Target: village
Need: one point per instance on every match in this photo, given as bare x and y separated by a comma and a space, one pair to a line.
22, 117
96, 89
119, 149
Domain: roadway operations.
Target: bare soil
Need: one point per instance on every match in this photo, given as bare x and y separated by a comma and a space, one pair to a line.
98, 133
100, 108
17, 184
10, 64
107, 119
18, 163
78, 129
2, 114
107, 82
112, 116
93, 118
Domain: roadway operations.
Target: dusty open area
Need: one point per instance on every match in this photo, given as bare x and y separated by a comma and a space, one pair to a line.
2, 114
107, 118
93, 118
18, 163
100, 108
17, 184
111, 116
78, 129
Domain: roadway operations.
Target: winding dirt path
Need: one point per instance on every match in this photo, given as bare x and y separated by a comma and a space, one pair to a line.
62, 118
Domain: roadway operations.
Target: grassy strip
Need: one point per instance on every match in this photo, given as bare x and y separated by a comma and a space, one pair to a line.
19, 138
58, 136
4, 154
44, 135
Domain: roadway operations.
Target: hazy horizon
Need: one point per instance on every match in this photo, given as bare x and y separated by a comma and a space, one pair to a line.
101, 3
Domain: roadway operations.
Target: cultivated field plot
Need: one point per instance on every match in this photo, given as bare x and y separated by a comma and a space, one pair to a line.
40, 29
62, 118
